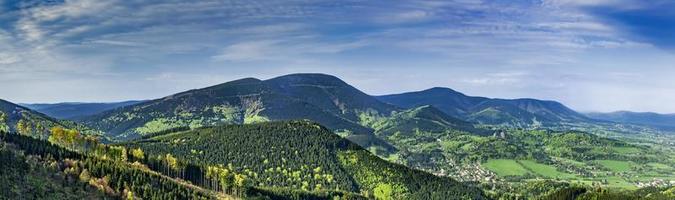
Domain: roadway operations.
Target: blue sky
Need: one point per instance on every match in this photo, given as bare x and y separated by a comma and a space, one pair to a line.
593, 55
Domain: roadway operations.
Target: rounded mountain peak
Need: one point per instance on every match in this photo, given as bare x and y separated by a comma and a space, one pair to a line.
440, 90
309, 78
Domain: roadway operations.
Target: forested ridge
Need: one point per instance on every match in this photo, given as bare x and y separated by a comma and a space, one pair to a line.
127, 173
28, 177
106, 170
278, 160
301, 155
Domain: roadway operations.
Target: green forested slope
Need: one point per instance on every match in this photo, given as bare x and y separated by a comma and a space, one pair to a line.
302, 155
420, 119
15, 118
24, 177
80, 174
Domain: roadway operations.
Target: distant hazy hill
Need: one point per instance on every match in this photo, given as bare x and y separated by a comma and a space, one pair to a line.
76, 110
666, 121
18, 119
447, 100
519, 112
303, 155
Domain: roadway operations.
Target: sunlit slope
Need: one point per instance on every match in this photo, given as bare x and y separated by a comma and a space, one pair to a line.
303, 155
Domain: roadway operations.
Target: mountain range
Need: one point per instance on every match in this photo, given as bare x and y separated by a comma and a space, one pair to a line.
75, 110
319, 97
313, 136
662, 121
16, 118
324, 99
482, 110
22, 120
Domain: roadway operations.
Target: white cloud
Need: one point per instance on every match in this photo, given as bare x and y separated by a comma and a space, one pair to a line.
118, 43
584, 2
32, 21
250, 51
616, 4
6, 58
30, 30
404, 16
497, 79
291, 48
70, 9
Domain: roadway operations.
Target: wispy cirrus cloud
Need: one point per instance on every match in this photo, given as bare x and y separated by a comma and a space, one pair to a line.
543, 49
6, 58
649, 22
287, 49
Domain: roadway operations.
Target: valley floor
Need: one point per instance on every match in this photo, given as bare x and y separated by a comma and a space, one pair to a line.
507, 164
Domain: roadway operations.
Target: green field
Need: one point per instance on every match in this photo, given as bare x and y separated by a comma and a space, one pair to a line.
509, 167
618, 182
584, 181
505, 167
616, 165
545, 170
625, 150
569, 161
660, 166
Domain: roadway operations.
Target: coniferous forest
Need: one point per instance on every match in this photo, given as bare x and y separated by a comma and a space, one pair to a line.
104, 173
275, 160
300, 155
302, 160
